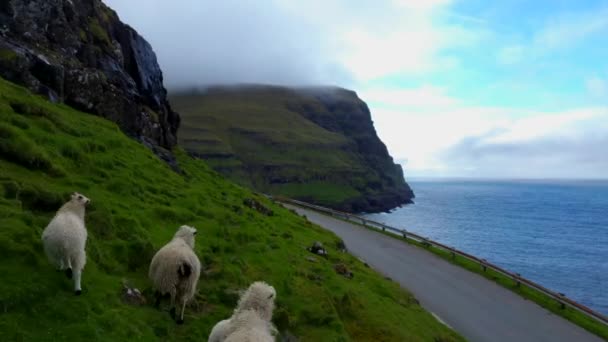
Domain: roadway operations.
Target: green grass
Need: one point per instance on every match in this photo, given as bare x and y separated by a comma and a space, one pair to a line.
99, 33
322, 192
48, 151
523, 290
7, 55
260, 138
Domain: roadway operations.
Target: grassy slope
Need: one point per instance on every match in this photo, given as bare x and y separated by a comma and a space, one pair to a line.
137, 204
311, 162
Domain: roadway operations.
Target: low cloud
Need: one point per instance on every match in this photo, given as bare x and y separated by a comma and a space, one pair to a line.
293, 42
558, 145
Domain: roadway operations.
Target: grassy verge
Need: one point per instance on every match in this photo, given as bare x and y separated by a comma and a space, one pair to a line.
48, 151
523, 290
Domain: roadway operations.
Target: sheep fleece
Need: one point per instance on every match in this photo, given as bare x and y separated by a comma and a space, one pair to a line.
166, 264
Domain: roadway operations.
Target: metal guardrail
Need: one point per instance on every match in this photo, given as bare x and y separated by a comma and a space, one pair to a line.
517, 278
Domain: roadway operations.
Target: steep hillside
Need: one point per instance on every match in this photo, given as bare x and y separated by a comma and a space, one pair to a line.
47, 151
314, 144
80, 53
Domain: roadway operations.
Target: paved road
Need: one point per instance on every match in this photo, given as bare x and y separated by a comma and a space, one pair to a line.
478, 309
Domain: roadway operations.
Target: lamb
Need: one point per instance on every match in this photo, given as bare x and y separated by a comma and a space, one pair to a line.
65, 237
175, 270
251, 320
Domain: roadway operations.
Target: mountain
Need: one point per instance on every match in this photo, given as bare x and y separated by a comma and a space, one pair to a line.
80, 53
48, 151
316, 144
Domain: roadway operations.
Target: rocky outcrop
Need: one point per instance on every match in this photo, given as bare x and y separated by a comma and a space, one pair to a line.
351, 117
79, 52
317, 145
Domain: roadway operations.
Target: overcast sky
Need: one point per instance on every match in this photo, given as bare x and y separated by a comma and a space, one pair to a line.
469, 88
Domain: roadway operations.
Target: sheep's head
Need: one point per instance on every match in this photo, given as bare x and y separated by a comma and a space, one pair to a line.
187, 234
259, 297
80, 199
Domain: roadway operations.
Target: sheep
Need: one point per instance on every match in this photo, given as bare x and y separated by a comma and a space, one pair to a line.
252, 317
248, 326
175, 270
65, 237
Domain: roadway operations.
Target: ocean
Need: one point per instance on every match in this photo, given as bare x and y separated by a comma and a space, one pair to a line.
552, 232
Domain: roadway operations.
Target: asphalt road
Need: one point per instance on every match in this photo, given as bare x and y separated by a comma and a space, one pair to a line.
477, 308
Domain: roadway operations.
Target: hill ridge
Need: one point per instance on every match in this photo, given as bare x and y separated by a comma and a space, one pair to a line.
316, 144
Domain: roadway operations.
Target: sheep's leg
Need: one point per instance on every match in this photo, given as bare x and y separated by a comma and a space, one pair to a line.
181, 317
77, 288
172, 311
158, 297
68, 270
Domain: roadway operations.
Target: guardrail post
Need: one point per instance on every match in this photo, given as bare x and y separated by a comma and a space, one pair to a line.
404, 232
453, 254
483, 265
562, 305
517, 281
383, 228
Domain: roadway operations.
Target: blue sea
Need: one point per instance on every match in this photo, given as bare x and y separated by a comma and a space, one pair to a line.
552, 232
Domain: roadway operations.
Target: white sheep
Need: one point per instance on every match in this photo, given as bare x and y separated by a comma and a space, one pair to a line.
65, 237
252, 317
248, 326
175, 270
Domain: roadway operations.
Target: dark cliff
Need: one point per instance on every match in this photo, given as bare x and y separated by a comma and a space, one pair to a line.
313, 144
79, 52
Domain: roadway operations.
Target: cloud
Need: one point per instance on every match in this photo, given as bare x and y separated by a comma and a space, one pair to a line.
567, 144
442, 136
421, 97
294, 42
203, 42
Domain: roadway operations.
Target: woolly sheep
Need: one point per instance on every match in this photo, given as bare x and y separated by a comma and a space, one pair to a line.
175, 270
65, 237
252, 317
248, 326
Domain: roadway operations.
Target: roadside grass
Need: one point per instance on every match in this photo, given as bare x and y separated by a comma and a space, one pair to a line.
48, 151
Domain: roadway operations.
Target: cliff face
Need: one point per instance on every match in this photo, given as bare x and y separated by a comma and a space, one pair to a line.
79, 52
313, 144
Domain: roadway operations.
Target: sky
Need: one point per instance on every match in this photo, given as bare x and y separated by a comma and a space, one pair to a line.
457, 88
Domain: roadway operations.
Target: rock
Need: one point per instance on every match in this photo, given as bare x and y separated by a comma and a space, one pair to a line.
341, 246
131, 296
342, 269
259, 207
79, 52
317, 248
